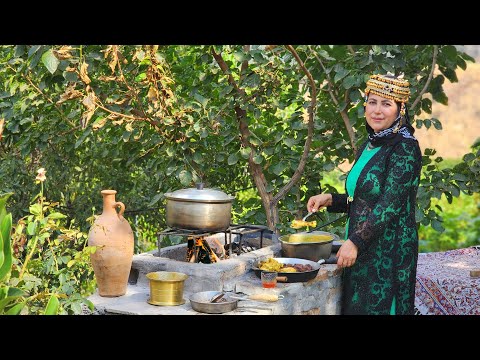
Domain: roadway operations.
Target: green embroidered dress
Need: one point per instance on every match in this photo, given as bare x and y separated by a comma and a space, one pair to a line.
381, 222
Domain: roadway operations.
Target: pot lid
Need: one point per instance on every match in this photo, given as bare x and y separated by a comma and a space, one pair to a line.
199, 194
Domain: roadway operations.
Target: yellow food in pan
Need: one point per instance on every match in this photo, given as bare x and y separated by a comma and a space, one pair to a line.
273, 265
270, 265
308, 238
297, 224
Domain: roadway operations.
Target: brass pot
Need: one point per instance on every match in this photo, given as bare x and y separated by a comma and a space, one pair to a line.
166, 288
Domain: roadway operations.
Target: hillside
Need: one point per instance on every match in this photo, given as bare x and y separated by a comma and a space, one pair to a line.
460, 119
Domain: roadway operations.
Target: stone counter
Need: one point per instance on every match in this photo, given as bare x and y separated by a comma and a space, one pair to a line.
319, 296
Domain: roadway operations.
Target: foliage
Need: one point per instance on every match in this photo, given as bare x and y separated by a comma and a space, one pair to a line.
11, 298
51, 264
145, 120
461, 221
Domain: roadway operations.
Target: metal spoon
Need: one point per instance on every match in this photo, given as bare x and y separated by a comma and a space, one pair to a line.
306, 216
216, 298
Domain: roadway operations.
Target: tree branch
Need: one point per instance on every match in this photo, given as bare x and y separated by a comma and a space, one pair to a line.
308, 142
255, 169
343, 113
430, 76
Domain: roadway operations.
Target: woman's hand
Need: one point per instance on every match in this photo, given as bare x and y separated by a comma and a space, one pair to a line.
319, 201
347, 254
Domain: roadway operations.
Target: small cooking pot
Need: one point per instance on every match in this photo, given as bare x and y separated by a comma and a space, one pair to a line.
166, 287
199, 209
291, 277
201, 302
314, 245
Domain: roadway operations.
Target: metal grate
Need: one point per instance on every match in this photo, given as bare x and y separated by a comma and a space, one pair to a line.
236, 247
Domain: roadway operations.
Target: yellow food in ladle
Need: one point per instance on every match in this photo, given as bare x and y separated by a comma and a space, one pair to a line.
297, 224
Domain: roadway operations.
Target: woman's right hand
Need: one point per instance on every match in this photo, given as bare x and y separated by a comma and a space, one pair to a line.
318, 202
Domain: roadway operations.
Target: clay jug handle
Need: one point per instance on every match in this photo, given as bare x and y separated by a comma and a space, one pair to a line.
122, 207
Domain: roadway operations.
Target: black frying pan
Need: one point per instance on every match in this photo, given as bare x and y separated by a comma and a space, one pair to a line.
294, 276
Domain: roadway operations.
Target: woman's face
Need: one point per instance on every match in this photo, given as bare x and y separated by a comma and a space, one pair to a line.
380, 112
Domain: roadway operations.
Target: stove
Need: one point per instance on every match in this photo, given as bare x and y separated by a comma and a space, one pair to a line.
199, 250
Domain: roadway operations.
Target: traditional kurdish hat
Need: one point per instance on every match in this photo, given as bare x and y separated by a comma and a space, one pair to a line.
388, 87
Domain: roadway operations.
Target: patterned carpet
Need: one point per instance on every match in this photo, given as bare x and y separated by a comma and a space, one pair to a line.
444, 285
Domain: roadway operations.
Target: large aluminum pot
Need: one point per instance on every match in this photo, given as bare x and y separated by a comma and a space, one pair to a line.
199, 209
312, 246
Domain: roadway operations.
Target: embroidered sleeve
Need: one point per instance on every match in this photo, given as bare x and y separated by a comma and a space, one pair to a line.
339, 203
402, 176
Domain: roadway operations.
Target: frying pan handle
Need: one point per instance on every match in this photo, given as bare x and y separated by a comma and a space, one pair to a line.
282, 279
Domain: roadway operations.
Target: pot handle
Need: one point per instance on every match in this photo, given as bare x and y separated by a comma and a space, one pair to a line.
122, 207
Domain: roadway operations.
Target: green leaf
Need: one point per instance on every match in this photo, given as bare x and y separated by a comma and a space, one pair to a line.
348, 82
202, 100
35, 209
232, 159
31, 228
459, 177
450, 52
239, 56
448, 196
277, 169
325, 55
440, 97
52, 306
3, 201
8, 295
289, 142
258, 159
56, 215
50, 61
340, 75
419, 215
15, 310
253, 140
245, 152
185, 177
198, 157
476, 142
437, 225
5, 246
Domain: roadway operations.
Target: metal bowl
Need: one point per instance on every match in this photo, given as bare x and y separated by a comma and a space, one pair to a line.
312, 246
201, 302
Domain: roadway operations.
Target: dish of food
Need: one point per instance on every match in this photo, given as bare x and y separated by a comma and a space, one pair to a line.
273, 265
298, 224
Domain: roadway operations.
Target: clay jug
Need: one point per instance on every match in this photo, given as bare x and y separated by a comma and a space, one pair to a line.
114, 237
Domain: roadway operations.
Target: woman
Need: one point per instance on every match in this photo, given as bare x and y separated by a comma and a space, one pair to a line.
379, 256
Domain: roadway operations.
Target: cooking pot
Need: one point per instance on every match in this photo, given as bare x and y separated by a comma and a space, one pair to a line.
314, 245
291, 277
199, 209
166, 287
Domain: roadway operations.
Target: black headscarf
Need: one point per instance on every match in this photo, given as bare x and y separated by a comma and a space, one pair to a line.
400, 129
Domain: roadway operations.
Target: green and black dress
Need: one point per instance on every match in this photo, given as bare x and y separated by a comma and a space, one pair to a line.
380, 201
